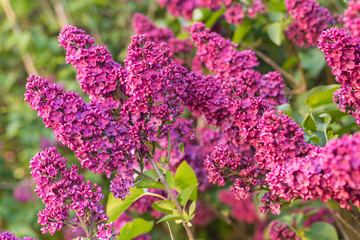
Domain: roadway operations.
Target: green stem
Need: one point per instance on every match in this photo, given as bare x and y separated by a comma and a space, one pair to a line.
146, 176
172, 196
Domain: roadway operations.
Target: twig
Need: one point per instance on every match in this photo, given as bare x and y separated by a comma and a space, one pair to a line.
341, 228
354, 211
146, 176
338, 216
275, 66
171, 235
26, 58
303, 86
61, 13
172, 196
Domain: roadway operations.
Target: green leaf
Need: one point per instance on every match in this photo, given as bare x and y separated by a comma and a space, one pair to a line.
321, 230
169, 176
274, 31
115, 206
135, 228
241, 30
184, 178
276, 16
214, 17
148, 183
186, 193
170, 217
200, 14
321, 95
181, 146
164, 206
192, 208
285, 108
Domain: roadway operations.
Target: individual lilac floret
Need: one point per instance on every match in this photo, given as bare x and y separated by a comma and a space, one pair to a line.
101, 143
180, 8
341, 52
280, 231
310, 20
62, 189
352, 18
99, 75
11, 236
142, 25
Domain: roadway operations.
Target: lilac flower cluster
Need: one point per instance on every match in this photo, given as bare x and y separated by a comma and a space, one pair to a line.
214, 4
342, 54
24, 191
220, 56
203, 215
155, 85
99, 75
180, 8
310, 20
242, 210
235, 13
351, 17
280, 231
62, 189
11, 236
101, 143
340, 161
249, 118
142, 25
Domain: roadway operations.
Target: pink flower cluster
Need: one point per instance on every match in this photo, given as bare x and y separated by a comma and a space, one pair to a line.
180, 8
62, 189
292, 167
342, 53
142, 25
11, 236
242, 210
235, 13
98, 74
280, 231
310, 20
352, 18
101, 143
24, 191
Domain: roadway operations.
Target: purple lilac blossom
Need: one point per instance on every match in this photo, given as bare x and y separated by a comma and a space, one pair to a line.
342, 54
241, 210
310, 20
280, 231
62, 189
179, 8
24, 191
99, 75
142, 25
11, 236
89, 129
352, 17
